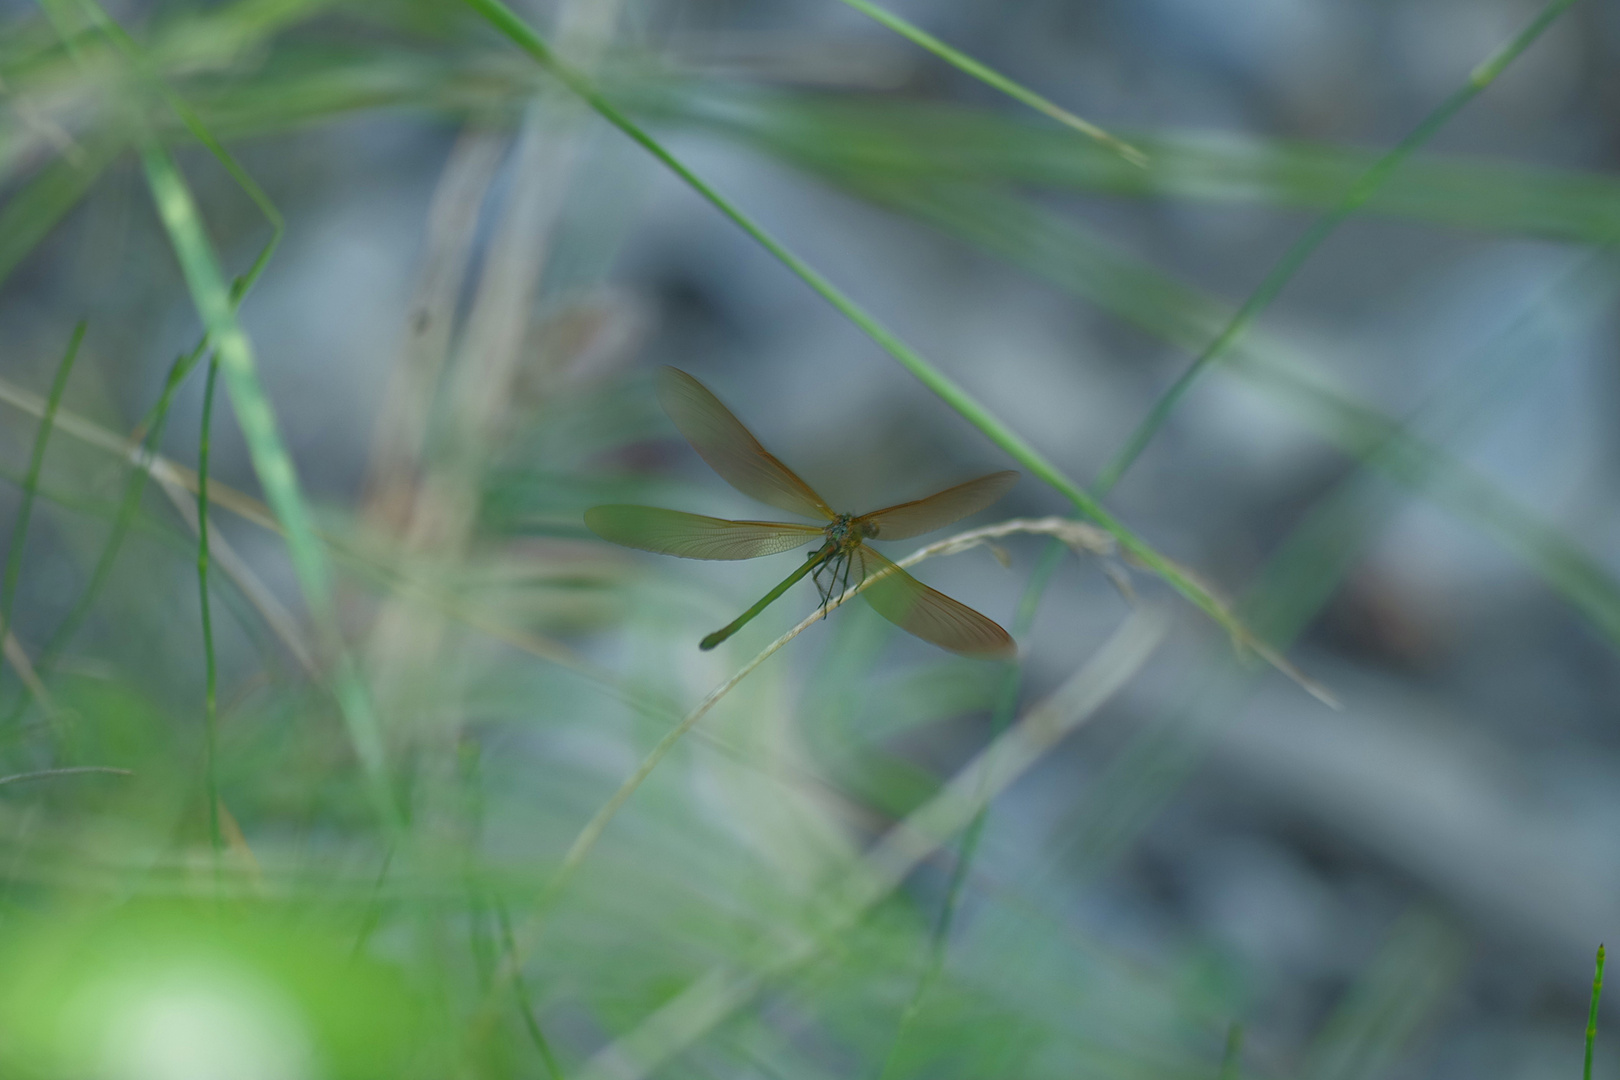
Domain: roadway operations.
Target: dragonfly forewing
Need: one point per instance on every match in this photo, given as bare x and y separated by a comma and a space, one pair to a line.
908, 519
731, 450
693, 536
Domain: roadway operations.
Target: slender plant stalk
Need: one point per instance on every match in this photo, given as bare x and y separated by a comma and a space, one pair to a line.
30, 484
216, 304
71, 770
151, 427
993, 78
271, 461
1363, 189
520, 990
1231, 1058
1080, 537
211, 676
524, 36
128, 507
725, 988
1591, 1015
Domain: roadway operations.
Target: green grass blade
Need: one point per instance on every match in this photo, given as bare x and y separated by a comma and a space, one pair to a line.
1591, 1015
129, 506
990, 77
1058, 251
943, 386
1232, 1056
30, 485
211, 671
909, 142
271, 462
1306, 245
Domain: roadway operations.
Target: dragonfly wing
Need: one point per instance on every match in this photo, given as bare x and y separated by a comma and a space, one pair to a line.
721, 440
692, 536
930, 614
940, 509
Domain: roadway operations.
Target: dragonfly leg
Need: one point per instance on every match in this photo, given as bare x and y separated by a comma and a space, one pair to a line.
832, 580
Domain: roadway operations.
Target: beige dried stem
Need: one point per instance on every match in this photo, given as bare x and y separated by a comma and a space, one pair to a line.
711, 999
1083, 539
442, 514
402, 418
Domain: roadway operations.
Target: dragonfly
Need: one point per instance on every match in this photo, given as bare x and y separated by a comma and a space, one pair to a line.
842, 555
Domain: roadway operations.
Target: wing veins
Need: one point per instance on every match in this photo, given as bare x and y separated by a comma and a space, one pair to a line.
694, 536
731, 449
905, 520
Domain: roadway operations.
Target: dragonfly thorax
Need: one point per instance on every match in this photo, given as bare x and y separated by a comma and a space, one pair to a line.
845, 532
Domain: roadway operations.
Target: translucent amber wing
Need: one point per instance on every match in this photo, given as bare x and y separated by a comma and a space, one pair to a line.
931, 615
692, 536
938, 510
729, 448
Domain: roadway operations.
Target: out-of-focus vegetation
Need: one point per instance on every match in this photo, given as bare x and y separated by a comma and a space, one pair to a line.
334, 746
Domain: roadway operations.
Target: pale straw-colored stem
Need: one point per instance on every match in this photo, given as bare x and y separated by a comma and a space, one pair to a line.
1082, 538
726, 988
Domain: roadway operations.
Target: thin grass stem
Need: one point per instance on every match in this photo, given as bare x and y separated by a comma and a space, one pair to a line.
150, 429
1232, 1056
271, 462
724, 989
211, 674
128, 507
71, 770
524, 36
993, 78
1081, 538
1280, 274
1591, 1015
520, 990
30, 483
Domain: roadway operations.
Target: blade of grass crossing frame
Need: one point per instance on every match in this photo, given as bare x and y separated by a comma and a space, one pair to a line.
993, 78
36, 461
1285, 268
522, 35
211, 674
271, 461
1056, 250
1591, 1015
